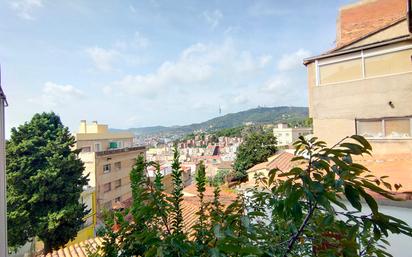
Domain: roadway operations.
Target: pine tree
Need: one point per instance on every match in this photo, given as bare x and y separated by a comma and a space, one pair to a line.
44, 183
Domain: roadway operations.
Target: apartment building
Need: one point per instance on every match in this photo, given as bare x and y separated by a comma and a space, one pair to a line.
109, 158
286, 135
364, 85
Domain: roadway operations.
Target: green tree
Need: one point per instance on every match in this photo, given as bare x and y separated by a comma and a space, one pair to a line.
256, 148
44, 183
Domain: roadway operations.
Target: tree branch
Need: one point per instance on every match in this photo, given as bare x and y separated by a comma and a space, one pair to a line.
305, 222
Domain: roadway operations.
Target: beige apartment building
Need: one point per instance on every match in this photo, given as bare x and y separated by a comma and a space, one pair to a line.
108, 159
364, 85
286, 135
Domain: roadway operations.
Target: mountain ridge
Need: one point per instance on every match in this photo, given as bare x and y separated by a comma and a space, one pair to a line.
259, 115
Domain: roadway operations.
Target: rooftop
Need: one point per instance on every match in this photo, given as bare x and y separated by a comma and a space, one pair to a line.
121, 150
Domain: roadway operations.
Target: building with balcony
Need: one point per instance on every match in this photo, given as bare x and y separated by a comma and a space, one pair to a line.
364, 85
108, 157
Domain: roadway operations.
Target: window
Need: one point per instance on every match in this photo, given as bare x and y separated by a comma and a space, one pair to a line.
112, 145
117, 199
396, 128
340, 71
115, 144
107, 187
388, 63
370, 128
118, 166
117, 183
107, 168
97, 147
363, 64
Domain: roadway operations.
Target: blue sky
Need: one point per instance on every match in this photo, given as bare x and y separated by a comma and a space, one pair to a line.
143, 63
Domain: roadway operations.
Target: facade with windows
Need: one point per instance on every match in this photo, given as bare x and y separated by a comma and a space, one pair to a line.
286, 135
364, 85
108, 158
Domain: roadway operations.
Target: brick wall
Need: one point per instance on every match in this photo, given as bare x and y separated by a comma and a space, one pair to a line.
367, 16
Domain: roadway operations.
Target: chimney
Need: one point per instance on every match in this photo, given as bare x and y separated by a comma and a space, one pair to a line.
367, 16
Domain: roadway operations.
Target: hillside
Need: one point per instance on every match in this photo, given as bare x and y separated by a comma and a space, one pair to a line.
261, 115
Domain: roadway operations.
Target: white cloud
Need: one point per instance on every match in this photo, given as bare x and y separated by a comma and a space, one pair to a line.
54, 94
196, 65
25, 8
102, 58
240, 99
247, 62
213, 17
277, 84
292, 60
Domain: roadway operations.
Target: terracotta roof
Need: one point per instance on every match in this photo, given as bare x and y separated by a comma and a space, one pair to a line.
78, 250
227, 196
258, 166
282, 161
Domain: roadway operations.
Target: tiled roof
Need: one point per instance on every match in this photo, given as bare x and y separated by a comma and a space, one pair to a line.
282, 161
258, 166
78, 250
226, 195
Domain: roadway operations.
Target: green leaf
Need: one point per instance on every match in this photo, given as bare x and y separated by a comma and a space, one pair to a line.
353, 197
362, 141
370, 201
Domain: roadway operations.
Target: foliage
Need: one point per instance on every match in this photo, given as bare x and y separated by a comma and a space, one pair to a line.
314, 209
220, 177
256, 148
301, 123
229, 132
44, 183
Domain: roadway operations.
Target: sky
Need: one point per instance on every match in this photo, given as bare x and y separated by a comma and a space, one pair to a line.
144, 63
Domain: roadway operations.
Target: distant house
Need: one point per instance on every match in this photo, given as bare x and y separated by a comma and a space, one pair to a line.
364, 85
286, 135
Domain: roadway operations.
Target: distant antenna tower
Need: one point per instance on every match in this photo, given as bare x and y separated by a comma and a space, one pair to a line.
220, 110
